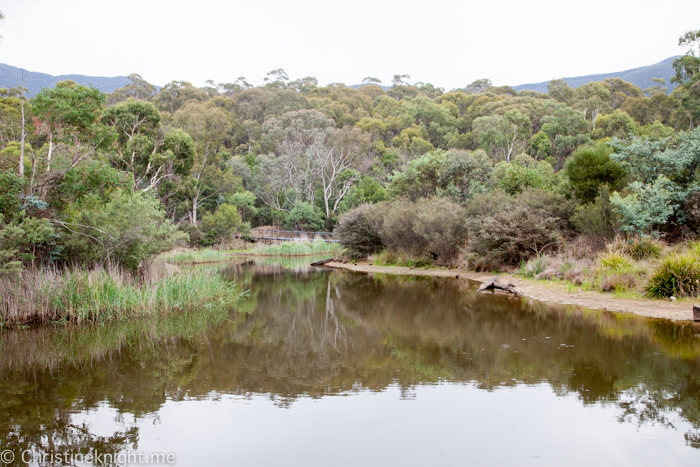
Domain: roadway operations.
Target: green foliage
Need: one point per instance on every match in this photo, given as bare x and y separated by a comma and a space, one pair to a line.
22, 240
367, 191
612, 261
597, 219
244, 203
646, 206
525, 172
10, 195
304, 217
465, 174
130, 230
69, 112
591, 167
617, 124
455, 174
222, 224
420, 179
677, 275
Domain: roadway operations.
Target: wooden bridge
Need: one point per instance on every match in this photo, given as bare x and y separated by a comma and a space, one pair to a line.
275, 234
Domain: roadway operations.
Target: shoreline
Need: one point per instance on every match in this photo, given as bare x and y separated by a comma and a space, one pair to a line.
545, 291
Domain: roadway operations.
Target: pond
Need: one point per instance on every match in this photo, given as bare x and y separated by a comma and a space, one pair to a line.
333, 368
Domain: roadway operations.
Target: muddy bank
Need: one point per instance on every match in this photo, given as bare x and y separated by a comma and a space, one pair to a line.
545, 291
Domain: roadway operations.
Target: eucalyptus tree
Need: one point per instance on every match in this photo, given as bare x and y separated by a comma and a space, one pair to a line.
143, 148
69, 115
209, 126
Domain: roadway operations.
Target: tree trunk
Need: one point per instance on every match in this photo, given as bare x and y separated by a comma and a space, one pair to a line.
21, 144
48, 159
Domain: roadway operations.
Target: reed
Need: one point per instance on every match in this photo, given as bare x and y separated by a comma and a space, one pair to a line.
196, 256
104, 294
298, 248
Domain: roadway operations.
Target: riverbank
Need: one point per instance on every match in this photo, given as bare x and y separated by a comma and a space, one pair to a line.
546, 291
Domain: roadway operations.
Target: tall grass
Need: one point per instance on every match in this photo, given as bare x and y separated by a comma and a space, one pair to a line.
197, 256
298, 248
45, 295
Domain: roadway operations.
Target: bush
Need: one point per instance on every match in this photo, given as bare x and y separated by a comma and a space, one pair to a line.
589, 169
677, 275
505, 229
525, 172
130, 230
359, 230
303, 217
431, 229
440, 226
222, 224
598, 220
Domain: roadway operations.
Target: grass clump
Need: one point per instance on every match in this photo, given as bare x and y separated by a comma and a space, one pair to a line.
535, 266
298, 248
677, 275
638, 248
612, 261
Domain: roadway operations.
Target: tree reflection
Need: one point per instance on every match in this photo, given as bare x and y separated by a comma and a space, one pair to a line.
309, 333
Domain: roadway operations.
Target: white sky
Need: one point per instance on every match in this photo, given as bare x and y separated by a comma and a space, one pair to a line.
449, 43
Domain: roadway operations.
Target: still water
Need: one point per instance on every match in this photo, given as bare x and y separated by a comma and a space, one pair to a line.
331, 368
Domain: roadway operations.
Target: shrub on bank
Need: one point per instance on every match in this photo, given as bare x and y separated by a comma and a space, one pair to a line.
359, 230
677, 275
508, 230
426, 230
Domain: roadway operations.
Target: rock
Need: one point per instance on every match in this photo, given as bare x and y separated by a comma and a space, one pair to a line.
494, 284
673, 299
696, 312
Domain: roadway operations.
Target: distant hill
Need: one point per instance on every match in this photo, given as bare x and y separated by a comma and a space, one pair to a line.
639, 76
11, 76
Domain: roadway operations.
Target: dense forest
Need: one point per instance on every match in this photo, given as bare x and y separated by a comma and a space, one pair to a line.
484, 172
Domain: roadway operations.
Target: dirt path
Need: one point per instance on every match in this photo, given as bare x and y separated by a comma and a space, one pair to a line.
545, 291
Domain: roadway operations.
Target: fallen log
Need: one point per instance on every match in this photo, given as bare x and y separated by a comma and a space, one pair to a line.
494, 284
696, 312
321, 262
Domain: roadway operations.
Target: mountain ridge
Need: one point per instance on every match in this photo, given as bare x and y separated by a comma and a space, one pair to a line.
11, 76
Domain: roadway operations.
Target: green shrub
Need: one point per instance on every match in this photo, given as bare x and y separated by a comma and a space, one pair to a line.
222, 224
131, 229
303, 217
677, 275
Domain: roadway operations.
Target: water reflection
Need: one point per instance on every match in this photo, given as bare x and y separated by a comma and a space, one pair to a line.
308, 333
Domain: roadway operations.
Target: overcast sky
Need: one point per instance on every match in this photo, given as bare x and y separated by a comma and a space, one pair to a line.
448, 43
